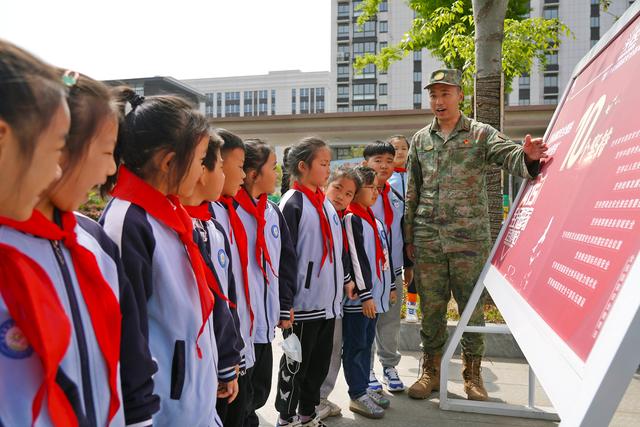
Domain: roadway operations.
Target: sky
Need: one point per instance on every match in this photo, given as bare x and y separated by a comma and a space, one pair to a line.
113, 39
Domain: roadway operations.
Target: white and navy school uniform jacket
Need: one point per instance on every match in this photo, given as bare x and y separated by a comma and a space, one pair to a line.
82, 374
158, 264
271, 297
319, 289
247, 354
362, 246
214, 246
395, 235
398, 181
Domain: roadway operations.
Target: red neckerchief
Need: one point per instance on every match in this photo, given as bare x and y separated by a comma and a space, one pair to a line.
169, 211
244, 199
386, 203
237, 228
367, 215
34, 306
200, 212
102, 304
345, 243
400, 170
317, 200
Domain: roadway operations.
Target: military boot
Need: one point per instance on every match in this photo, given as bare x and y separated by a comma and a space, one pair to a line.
473, 384
429, 380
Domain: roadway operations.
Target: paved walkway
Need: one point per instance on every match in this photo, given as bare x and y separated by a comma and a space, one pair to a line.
505, 379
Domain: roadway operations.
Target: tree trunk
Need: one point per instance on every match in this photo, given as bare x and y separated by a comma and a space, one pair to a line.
489, 16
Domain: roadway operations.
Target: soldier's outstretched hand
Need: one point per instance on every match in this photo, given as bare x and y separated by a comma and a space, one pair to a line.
534, 149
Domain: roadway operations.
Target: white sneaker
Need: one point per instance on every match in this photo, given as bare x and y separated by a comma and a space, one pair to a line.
411, 313
366, 407
313, 422
374, 384
295, 422
327, 408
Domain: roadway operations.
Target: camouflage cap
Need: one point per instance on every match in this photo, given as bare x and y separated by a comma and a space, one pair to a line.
445, 76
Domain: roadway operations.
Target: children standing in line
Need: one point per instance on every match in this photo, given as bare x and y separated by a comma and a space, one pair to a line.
316, 233
163, 142
374, 277
389, 209
343, 184
104, 367
240, 412
398, 182
271, 255
214, 247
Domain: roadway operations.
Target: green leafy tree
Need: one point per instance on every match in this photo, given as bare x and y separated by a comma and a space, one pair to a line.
446, 28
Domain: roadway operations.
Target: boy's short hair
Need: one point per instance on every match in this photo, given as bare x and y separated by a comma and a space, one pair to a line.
378, 148
366, 174
346, 172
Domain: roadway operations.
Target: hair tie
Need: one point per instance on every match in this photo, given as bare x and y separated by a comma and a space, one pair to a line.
70, 78
134, 101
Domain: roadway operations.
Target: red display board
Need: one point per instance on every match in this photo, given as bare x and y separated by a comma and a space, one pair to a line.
574, 234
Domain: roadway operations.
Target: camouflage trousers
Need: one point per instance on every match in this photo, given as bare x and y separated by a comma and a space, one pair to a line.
438, 275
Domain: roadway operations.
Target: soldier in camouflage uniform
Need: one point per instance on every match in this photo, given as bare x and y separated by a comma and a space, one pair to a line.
447, 222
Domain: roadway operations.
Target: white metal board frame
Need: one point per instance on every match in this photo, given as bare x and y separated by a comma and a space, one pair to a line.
584, 393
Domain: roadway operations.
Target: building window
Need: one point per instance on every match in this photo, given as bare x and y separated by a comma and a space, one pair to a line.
417, 76
293, 101
524, 81
383, 6
364, 91
551, 80
319, 100
273, 102
382, 45
360, 108
304, 101
219, 104
343, 108
343, 31
382, 107
551, 61
367, 30
384, 26
368, 72
360, 49
356, 8
551, 99
343, 52
524, 101
550, 12
343, 71
343, 91
343, 10
417, 99
595, 21
382, 88
417, 55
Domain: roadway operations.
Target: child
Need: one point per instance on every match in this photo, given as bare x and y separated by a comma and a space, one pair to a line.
102, 362
373, 273
224, 212
34, 120
344, 183
398, 179
317, 236
389, 209
272, 267
214, 247
398, 182
163, 142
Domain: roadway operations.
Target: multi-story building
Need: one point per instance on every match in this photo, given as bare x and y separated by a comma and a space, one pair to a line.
276, 93
400, 87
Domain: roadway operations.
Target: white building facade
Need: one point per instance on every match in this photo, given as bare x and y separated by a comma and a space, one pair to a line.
275, 93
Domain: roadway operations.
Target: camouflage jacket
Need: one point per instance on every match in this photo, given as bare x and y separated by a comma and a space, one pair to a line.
446, 197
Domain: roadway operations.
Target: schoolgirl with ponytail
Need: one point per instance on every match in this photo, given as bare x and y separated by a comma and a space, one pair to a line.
162, 143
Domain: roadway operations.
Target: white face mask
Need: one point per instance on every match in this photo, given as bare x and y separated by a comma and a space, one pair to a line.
292, 348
